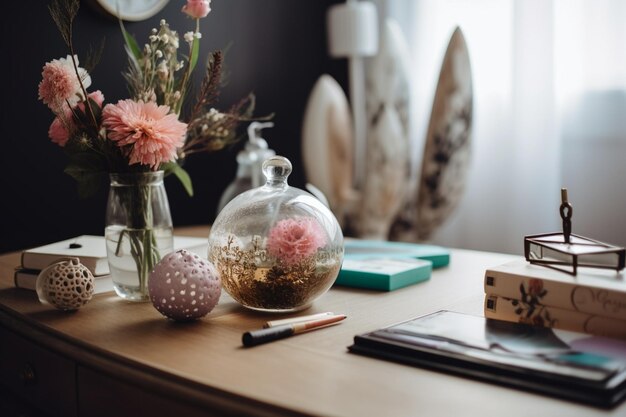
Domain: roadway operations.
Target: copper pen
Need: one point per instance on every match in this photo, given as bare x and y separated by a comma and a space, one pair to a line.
299, 319
256, 337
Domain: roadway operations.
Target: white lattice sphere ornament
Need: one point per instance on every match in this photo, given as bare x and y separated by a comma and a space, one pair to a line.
183, 286
67, 285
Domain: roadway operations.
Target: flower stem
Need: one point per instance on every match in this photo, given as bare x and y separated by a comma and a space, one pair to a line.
185, 80
137, 202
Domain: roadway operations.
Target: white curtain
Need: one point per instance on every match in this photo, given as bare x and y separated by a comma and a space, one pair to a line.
549, 112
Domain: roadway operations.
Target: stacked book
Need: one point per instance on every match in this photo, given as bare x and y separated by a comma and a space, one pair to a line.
593, 301
91, 251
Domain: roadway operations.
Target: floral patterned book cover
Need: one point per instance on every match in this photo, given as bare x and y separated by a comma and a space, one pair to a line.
592, 291
570, 365
529, 311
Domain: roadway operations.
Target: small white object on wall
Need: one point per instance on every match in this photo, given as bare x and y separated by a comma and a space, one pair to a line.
353, 34
131, 10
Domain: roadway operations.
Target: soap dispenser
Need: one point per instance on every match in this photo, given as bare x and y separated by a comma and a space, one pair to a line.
250, 164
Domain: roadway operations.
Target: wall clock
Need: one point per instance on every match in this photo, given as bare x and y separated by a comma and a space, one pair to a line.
131, 10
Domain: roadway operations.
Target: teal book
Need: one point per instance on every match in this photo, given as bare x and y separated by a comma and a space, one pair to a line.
364, 248
383, 274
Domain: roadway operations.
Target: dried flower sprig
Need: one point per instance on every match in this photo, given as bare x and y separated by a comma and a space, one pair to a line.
63, 14
212, 130
211, 83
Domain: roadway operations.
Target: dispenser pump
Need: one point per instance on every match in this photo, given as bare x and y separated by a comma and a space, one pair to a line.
250, 164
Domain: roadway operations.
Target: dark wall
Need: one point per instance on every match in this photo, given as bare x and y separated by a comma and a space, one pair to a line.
278, 51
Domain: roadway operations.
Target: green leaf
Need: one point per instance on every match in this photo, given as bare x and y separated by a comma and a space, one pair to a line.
181, 174
131, 44
87, 169
195, 51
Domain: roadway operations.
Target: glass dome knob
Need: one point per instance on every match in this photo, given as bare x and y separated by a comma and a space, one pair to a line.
277, 169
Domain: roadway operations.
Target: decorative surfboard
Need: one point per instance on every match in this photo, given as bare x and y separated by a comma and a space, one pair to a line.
388, 150
447, 147
327, 146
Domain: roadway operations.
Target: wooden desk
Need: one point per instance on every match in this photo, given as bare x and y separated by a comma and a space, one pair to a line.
115, 358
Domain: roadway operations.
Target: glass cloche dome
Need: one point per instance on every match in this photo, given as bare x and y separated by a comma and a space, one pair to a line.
276, 248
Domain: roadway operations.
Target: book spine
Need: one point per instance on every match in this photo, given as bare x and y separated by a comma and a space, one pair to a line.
37, 261
518, 311
565, 295
25, 280
28, 281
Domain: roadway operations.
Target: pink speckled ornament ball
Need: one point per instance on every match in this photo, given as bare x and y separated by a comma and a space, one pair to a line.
183, 286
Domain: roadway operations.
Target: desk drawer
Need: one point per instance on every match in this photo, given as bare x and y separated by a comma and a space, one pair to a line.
103, 396
42, 378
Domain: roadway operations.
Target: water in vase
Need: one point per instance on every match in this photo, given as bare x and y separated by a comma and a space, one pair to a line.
124, 265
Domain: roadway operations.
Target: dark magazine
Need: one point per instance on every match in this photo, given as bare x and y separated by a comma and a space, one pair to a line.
575, 366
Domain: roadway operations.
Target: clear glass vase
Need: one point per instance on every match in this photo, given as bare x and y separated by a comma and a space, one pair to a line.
138, 230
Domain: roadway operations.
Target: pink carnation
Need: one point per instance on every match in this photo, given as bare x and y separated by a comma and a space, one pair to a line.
293, 240
60, 84
153, 132
63, 125
197, 8
97, 96
59, 131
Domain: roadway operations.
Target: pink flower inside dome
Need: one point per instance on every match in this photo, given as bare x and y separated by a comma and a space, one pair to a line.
292, 240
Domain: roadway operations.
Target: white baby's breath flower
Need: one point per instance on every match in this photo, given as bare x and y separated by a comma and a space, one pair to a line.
154, 31
158, 53
162, 70
153, 38
179, 66
162, 22
176, 95
205, 127
164, 38
189, 37
215, 115
198, 35
147, 49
